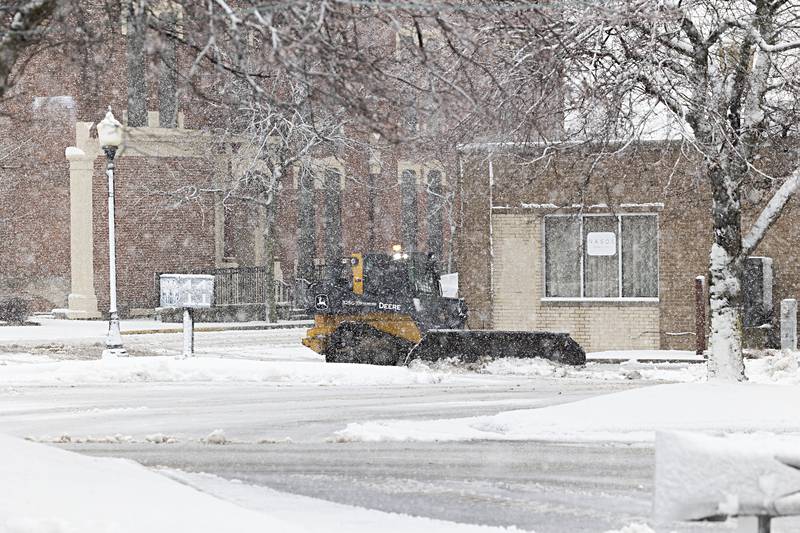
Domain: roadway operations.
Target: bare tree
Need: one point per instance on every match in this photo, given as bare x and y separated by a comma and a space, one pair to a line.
282, 131
306, 227
724, 74
23, 27
30, 27
136, 27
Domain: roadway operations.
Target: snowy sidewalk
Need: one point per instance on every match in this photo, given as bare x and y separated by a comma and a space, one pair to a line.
629, 416
52, 329
664, 356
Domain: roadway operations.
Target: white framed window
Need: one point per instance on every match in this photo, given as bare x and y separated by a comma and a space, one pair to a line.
601, 257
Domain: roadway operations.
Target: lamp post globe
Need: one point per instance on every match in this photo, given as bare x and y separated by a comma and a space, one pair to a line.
109, 130
109, 133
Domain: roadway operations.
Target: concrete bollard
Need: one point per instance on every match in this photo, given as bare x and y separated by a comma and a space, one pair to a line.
789, 324
188, 333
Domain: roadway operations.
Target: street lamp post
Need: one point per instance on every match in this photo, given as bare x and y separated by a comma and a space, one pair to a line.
109, 133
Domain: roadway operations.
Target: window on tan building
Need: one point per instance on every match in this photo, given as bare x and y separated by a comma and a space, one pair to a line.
601, 256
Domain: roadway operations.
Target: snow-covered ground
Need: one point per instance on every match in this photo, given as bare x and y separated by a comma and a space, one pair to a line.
84, 339
326, 516
262, 390
51, 329
644, 355
629, 416
47, 490
698, 476
204, 369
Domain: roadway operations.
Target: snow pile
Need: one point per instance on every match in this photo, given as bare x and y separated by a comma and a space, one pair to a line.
633, 528
781, 368
678, 372
160, 438
629, 416
216, 437
524, 367
676, 366
166, 369
644, 355
50, 490
274, 440
538, 367
514, 366
699, 476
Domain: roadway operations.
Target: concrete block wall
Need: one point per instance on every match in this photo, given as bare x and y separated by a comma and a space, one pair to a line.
517, 281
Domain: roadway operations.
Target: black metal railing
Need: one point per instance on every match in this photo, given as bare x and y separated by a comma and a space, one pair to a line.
238, 286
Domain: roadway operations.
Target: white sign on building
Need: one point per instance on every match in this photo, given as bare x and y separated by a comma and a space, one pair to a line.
601, 243
187, 290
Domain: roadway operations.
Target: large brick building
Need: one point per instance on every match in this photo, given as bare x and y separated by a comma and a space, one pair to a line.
173, 213
530, 224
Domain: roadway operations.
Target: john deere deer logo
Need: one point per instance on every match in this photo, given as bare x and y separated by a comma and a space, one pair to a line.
321, 301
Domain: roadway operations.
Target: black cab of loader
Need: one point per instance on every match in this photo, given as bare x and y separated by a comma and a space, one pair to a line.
396, 298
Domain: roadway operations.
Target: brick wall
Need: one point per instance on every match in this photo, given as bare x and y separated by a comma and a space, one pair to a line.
34, 204
474, 242
658, 174
156, 231
517, 282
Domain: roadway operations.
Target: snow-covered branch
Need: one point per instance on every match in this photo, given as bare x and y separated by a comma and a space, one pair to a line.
771, 212
25, 29
759, 39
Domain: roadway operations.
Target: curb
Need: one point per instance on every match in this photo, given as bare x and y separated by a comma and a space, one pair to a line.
201, 329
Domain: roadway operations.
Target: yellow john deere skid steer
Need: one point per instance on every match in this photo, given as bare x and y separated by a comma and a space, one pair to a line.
388, 310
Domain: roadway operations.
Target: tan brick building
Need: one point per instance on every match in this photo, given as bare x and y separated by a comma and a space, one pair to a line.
530, 221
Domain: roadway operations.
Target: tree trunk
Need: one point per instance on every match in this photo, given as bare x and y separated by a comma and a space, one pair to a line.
408, 203
332, 223
434, 212
168, 78
306, 224
726, 362
137, 82
270, 304
372, 201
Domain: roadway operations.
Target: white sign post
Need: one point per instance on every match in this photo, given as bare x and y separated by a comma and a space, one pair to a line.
187, 291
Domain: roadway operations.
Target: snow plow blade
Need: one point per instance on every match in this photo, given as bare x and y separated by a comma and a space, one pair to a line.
471, 345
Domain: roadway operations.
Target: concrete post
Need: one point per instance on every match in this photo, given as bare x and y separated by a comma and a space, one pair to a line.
82, 298
789, 324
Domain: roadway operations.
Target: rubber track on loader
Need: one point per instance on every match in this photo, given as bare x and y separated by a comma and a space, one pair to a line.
353, 342
468, 346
